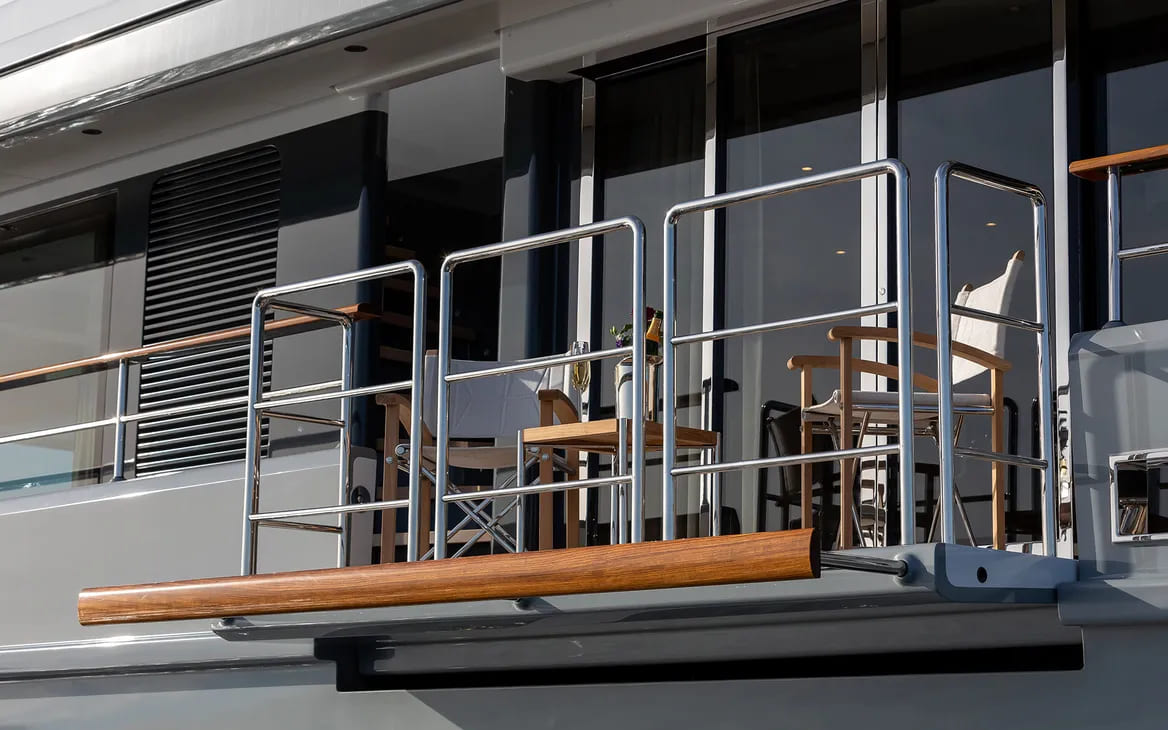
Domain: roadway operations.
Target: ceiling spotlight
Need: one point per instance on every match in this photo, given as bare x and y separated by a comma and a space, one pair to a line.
91, 131
356, 48
840, 252
807, 168
991, 224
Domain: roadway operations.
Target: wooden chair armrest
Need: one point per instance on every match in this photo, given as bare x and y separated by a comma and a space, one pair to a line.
830, 362
404, 407
920, 339
562, 406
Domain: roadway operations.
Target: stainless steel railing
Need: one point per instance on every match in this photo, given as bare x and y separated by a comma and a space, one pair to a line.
635, 479
260, 404
123, 361
901, 306
1040, 326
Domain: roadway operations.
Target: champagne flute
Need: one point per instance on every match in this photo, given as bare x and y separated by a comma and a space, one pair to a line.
580, 374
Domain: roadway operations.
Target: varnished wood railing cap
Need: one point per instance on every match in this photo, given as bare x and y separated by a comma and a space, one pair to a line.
702, 561
1133, 162
287, 326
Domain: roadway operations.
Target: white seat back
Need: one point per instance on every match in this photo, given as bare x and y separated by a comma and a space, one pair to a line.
496, 406
994, 297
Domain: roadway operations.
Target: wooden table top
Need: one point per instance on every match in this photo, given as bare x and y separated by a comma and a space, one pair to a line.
601, 436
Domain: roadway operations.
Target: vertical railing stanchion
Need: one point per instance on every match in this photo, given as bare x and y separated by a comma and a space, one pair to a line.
442, 437
904, 356
1046, 397
944, 355
120, 425
1114, 264
416, 532
637, 488
668, 380
520, 506
251, 477
344, 477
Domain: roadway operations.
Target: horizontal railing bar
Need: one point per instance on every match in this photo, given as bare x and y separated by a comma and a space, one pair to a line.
1003, 319
305, 418
192, 409
783, 324
286, 525
844, 561
333, 395
537, 488
58, 431
310, 310
376, 272
567, 235
331, 510
1026, 461
851, 174
787, 460
310, 388
537, 363
996, 181
1141, 251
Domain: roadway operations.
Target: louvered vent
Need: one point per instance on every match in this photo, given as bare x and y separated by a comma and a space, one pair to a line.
212, 245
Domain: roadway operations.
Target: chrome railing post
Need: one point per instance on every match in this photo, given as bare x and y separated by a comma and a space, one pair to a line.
120, 424
904, 355
442, 437
637, 487
1046, 397
344, 478
251, 478
944, 352
416, 532
1114, 264
668, 382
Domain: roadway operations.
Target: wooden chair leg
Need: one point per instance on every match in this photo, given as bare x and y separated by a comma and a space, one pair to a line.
846, 527
998, 444
547, 524
806, 446
389, 482
572, 505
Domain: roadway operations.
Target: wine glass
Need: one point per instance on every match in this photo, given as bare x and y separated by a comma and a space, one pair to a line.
580, 373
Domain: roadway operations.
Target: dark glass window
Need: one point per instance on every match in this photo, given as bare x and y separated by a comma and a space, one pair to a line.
790, 105
1125, 105
972, 83
58, 241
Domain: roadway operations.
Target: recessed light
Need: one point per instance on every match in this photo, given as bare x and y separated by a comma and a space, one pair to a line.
91, 131
840, 252
356, 48
991, 224
807, 168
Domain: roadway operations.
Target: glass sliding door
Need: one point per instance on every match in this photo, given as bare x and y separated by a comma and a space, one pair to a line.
650, 132
790, 100
972, 83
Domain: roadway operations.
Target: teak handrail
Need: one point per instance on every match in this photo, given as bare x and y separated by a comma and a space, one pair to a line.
702, 561
102, 362
1129, 163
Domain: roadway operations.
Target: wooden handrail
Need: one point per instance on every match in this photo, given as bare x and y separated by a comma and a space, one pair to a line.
1132, 162
703, 561
290, 325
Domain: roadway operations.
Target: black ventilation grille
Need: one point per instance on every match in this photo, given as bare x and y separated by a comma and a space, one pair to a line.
212, 245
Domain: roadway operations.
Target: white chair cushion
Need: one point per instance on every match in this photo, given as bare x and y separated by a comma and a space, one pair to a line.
883, 406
